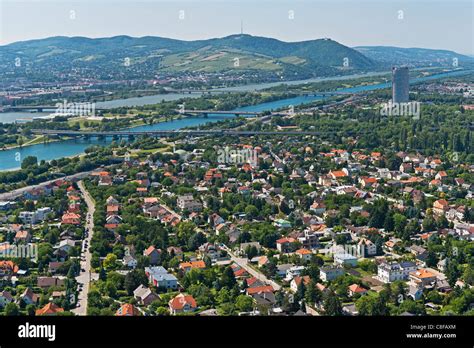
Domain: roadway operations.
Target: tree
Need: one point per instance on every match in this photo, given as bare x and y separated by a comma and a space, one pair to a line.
133, 279
162, 311
110, 261
452, 272
31, 310
313, 294
332, 305
372, 305
468, 275
29, 161
251, 251
431, 259
110, 289
300, 291
196, 240
399, 221
429, 223
228, 278
244, 303
11, 309
102, 274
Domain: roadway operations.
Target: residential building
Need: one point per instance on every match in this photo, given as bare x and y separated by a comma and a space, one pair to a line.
329, 273
390, 272
182, 303
159, 277
188, 203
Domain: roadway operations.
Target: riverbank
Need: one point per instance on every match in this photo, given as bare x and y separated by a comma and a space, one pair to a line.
73, 147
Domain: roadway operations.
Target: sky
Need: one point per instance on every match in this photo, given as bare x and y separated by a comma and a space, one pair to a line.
440, 24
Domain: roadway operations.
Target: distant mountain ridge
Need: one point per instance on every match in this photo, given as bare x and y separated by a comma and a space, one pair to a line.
390, 55
126, 58
150, 54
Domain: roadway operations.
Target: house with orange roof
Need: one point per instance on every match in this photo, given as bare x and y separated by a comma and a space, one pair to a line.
318, 208
150, 201
127, 310
262, 261
338, 174
440, 206
376, 155
153, 254
49, 309
284, 244
422, 277
442, 175
8, 268
253, 282
71, 219
367, 182
239, 272
187, 266
435, 163
112, 221
182, 304
142, 190
434, 183
296, 281
356, 289
112, 209
304, 254
22, 236
260, 290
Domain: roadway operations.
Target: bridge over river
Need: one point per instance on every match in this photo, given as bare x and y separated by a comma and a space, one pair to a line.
167, 133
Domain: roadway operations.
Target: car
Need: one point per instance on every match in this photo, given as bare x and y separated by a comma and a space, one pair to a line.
83, 270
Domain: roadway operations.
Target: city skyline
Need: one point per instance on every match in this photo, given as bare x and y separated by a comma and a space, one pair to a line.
441, 25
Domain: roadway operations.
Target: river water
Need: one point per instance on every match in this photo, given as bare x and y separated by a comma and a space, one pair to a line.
11, 159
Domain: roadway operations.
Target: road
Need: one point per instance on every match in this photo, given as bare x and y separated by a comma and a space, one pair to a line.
18, 192
243, 262
85, 275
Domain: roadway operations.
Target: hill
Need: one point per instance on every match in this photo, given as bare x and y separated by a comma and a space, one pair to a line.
389, 55
125, 57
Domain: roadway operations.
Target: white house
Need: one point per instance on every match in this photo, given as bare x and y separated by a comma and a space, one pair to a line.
369, 248
130, 261
390, 272
330, 273
345, 260
294, 271
188, 203
160, 277
5, 298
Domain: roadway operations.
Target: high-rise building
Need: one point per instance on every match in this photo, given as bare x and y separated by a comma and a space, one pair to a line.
400, 85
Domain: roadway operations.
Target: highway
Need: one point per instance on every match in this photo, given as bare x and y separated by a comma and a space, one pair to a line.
11, 195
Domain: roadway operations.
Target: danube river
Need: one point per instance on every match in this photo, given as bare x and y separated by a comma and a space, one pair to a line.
11, 159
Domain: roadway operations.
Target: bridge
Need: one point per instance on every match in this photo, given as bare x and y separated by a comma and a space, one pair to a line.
39, 108
321, 94
168, 133
215, 112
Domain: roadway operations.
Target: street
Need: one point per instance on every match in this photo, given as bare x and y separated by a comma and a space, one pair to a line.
84, 277
243, 262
